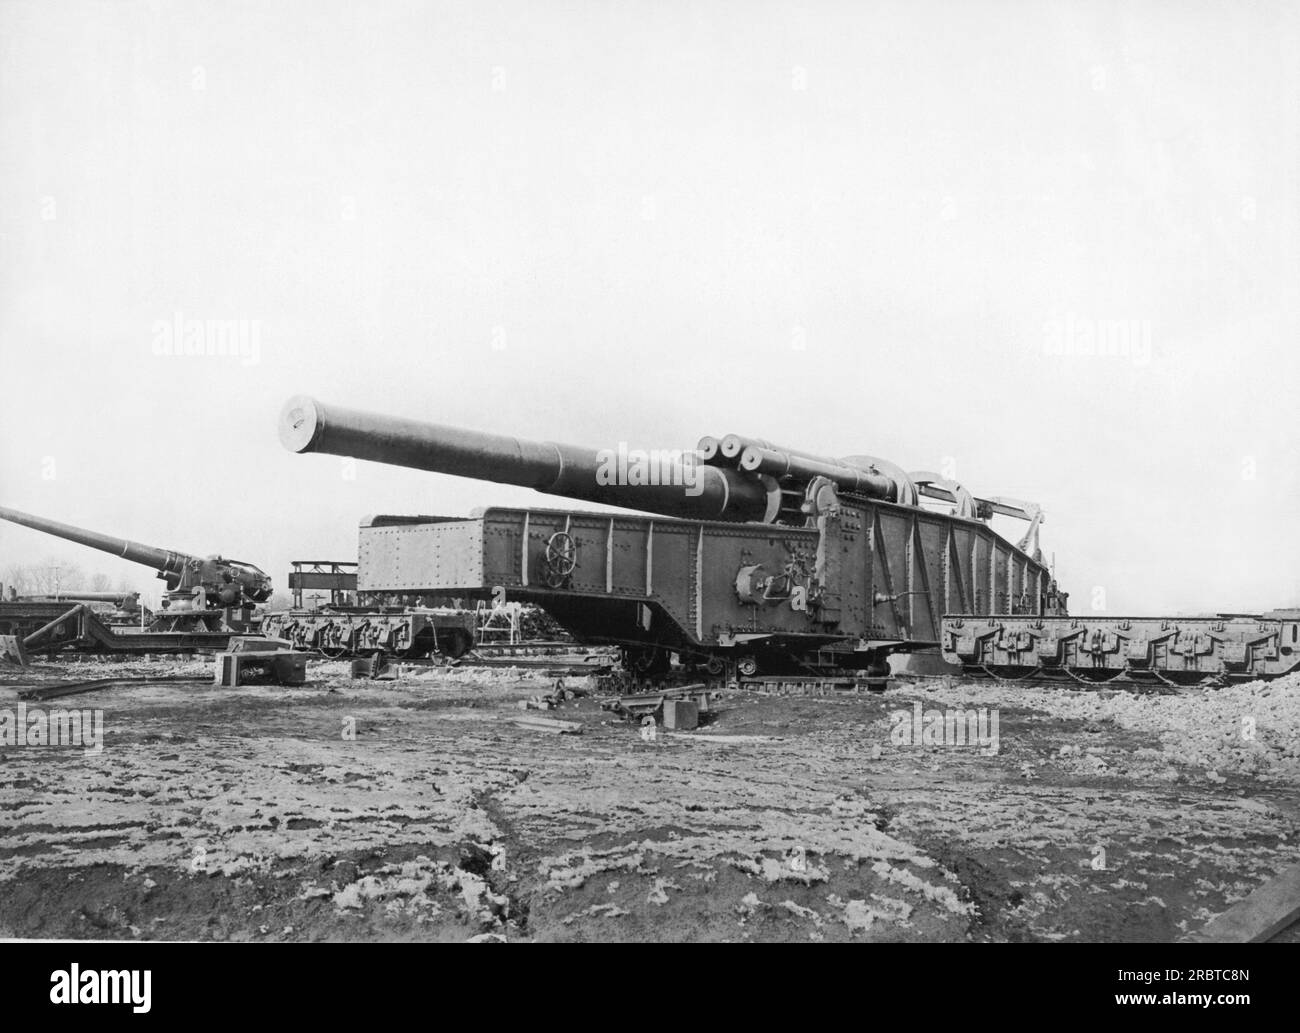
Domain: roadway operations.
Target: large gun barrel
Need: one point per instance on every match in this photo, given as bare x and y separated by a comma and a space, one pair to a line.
117, 598
791, 464
678, 485
733, 478
162, 560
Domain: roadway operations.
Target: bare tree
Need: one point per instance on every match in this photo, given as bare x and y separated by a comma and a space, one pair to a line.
48, 576
17, 577
45, 577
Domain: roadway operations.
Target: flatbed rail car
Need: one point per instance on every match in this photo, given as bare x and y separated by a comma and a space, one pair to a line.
48, 628
406, 633
1217, 649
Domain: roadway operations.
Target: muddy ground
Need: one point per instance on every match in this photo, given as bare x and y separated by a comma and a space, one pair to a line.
419, 810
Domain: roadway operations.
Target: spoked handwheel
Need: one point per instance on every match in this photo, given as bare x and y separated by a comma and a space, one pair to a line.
561, 558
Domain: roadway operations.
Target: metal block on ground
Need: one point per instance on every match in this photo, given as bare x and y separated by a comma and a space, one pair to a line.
250, 661
681, 715
228, 669
289, 668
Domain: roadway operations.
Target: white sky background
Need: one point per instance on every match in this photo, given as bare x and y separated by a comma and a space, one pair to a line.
656, 204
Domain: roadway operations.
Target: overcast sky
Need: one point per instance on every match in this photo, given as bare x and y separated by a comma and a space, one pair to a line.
890, 228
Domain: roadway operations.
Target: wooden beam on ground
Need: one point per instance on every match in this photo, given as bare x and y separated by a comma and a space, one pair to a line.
1261, 916
548, 724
